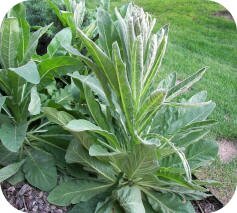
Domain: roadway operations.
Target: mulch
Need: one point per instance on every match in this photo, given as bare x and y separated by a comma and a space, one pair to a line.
29, 199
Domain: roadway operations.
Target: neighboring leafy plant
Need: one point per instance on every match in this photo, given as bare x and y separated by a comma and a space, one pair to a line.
138, 144
30, 146
74, 16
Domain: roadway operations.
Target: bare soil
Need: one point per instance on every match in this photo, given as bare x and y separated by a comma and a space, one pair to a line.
224, 13
227, 150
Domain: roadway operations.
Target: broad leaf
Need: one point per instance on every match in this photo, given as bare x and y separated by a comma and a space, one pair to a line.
106, 30
59, 117
138, 163
198, 154
54, 141
90, 81
29, 72
185, 84
84, 125
77, 154
10, 170
98, 150
73, 192
137, 69
16, 178
57, 66
152, 103
130, 199
55, 46
108, 206
33, 42
168, 203
162, 38
95, 109
170, 120
13, 135
185, 139
24, 36
35, 103
79, 13
102, 60
40, 170
9, 41
124, 87
7, 157
2, 101
90, 205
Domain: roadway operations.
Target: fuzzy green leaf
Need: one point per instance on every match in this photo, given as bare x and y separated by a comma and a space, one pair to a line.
101, 59
33, 42
106, 30
168, 203
98, 150
9, 41
137, 68
84, 125
130, 199
91, 82
138, 163
40, 170
2, 101
57, 66
77, 154
151, 104
59, 117
185, 84
6, 156
29, 72
55, 46
198, 154
124, 86
35, 103
95, 109
73, 192
16, 178
19, 12
10, 170
13, 135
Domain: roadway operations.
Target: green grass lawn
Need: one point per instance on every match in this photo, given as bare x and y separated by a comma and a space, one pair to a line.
198, 38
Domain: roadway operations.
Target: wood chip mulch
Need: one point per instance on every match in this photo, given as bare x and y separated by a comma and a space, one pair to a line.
29, 199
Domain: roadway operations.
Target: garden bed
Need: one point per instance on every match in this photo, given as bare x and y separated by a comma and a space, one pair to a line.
29, 199
126, 140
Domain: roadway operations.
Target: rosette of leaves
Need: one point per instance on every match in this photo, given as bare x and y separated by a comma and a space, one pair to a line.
31, 147
139, 143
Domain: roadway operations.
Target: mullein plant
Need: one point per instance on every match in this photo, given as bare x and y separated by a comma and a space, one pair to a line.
139, 142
